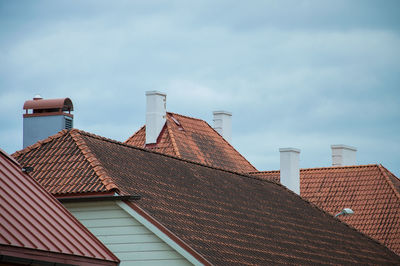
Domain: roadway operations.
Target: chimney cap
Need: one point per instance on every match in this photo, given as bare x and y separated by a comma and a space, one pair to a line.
289, 150
222, 112
342, 146
155, 93
63, 103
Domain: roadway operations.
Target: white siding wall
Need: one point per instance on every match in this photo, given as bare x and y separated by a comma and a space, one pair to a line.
128, 239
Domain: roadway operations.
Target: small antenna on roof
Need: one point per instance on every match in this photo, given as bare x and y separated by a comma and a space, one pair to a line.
345, 211
37, 97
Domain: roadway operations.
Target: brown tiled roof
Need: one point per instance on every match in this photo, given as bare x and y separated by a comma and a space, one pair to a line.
194, 140
228, 218
371, 191
35, 226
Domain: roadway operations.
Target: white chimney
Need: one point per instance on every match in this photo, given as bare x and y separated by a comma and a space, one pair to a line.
290, 170
343, 155
156, 112
223, 124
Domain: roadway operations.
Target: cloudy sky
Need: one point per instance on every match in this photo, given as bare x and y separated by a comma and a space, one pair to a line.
304, 74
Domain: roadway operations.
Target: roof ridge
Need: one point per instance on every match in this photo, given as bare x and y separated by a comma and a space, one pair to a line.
171, 135
171, 113
319, 168
244, 174
340, 167
9, 157
93, 161
40, 143
261, 172
384, 171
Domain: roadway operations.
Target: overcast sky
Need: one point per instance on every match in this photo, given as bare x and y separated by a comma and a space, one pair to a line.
304, 74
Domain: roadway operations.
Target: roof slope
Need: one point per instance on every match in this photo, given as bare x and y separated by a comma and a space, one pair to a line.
194, 140
371, 191
64, 165
34, 225
227, 217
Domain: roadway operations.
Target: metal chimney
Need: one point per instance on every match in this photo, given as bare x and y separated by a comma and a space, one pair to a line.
290, 170
223, 124
45, 117
156, 112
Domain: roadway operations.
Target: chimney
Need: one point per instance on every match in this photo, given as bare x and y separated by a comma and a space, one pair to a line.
343, 155
155, 115
223, 124
45, 117
290, 170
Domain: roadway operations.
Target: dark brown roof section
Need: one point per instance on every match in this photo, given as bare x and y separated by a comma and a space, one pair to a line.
371, 191
36, 228
232, 218
194, 140
227, 218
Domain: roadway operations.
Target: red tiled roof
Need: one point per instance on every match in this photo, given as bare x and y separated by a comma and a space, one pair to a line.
66, 166
227, 218
371, 191
194, 140
35, 226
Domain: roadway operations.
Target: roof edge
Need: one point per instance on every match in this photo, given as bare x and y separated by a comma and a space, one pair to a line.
319, 168
171, 135
9, 157
93, 161
384, 172
231, 145
168, 233
172, 113
243, 174
137, 131
51, 257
